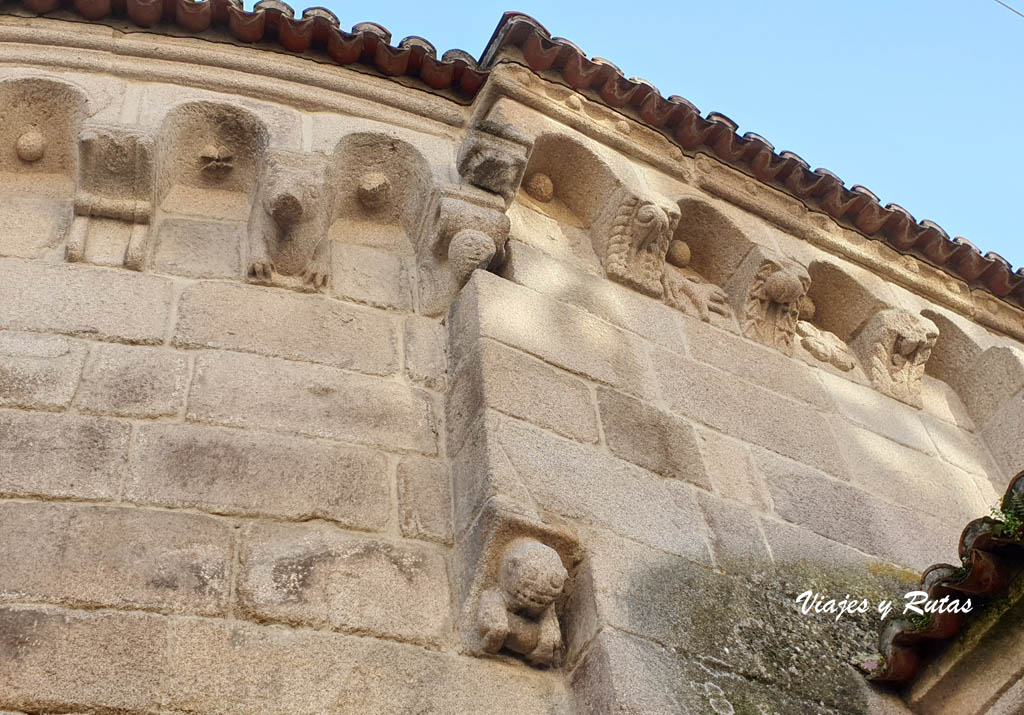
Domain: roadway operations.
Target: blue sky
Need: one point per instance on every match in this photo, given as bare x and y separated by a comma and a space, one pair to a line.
919, 100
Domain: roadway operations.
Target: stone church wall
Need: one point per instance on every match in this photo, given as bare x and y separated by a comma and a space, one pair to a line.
301, 387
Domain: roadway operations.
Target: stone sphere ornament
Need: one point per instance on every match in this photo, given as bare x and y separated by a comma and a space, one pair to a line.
540, 187
30, 146
678, 254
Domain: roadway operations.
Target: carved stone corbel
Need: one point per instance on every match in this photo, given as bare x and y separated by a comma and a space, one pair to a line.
631, 237
893, 346
514, 574
468, 233
493, 157
289, 223
115, 182
766, 291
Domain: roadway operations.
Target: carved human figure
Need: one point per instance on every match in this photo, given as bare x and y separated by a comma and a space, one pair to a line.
289, 224
632, 239
894, 346
518, 613
767, 290
686, 290
494, 156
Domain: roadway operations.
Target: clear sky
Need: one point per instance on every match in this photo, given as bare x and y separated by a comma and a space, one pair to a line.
921, 101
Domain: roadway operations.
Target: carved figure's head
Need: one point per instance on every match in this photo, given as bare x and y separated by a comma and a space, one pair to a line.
532, 576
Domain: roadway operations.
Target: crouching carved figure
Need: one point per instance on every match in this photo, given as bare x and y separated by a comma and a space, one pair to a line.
518, 613
289, 223
515, 573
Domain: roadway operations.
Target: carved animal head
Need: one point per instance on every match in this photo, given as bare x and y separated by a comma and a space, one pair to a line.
532, 577
494, 156
633, 251
895, 344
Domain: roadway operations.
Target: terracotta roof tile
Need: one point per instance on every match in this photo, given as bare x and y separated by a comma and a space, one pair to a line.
987, 549
519, 37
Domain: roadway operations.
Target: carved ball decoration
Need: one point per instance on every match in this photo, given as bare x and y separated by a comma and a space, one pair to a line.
783, 287
678, 254
374, 190
540, 187
30, 146
470, 249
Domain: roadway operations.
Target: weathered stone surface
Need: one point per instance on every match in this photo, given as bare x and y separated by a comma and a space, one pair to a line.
73, 660
642, 434
942, 401
625, 674
67, 659
81, 300
317, 575
199, 248
283, 396
114, 557
28, 227
133, 382
960, 447
731, 469
245, 473
580, 482
519, 385
609, 301
748, 624
481, 470
905, 476
854, 517
557, 333
747, 411
268, 321
39, 372
425, 499
61, 456
878, 412
239, 668
426, 359
1002, 434
737, 544
366, 274
997, 375
755, 363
